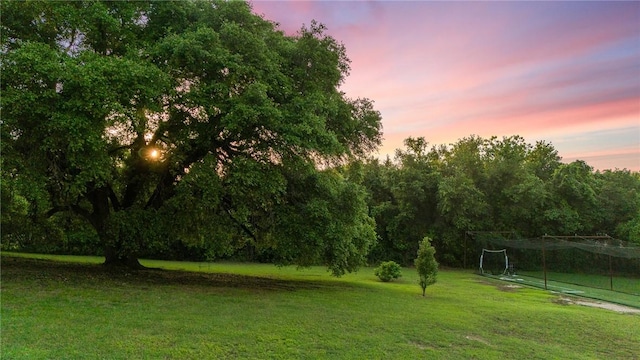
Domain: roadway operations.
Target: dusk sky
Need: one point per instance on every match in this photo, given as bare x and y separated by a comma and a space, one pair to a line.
564, 72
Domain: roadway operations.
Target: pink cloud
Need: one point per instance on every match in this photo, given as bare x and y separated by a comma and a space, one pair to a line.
446, 70
619, 159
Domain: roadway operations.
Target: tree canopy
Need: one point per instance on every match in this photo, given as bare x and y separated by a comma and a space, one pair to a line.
189, 121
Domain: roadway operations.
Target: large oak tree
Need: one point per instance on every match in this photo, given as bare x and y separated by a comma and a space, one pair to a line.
190, 120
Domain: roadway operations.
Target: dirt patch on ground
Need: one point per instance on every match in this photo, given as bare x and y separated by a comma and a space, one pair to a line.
509, 287
597, 304
419, 344
477, 338
500, 286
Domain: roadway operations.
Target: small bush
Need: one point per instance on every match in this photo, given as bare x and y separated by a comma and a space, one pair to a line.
388, 271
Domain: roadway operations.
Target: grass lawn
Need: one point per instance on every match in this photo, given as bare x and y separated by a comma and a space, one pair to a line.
627, 285
80, 310
565, 286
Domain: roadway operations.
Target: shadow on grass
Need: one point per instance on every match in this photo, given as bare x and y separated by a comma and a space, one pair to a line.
15, 269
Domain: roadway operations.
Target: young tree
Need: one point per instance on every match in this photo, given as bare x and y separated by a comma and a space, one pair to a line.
426, 264
177, 120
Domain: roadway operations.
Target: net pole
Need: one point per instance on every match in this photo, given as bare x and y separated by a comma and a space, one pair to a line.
610, 274
506, 263
464, 259
544, 265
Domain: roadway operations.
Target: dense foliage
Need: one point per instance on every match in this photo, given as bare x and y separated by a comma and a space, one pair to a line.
180, 125
491, 184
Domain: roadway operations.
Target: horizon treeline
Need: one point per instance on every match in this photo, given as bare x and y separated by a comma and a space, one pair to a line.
440, 191
491, 184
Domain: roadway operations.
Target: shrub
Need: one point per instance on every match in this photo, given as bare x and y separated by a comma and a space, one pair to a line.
388, 271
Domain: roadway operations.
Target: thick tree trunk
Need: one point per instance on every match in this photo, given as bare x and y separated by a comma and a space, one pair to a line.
99, 199
113, 258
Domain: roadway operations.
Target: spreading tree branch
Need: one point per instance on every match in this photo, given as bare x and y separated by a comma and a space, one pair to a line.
242, 226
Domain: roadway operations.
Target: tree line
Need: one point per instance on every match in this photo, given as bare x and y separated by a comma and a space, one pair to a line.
440, 191
490, 184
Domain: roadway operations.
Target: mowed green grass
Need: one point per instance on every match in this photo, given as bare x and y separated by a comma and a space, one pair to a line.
627, 285
57, 310
568, 287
